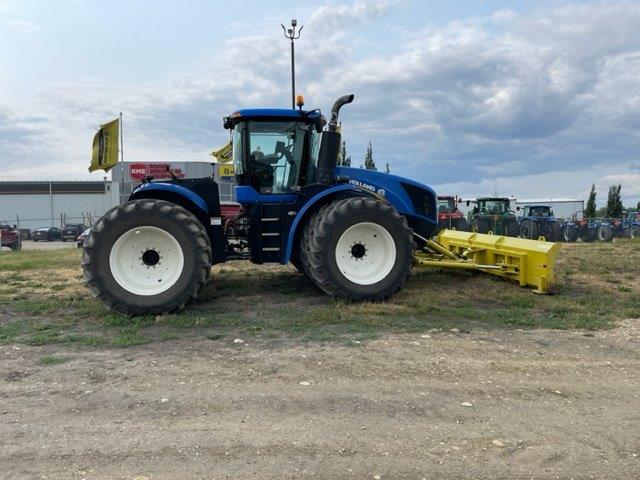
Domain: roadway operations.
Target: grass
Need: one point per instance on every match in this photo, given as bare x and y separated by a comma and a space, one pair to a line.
43, 301
53, 360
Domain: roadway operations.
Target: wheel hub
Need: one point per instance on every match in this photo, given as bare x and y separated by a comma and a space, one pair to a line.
146, 260
365, 253
150, 258
358, 251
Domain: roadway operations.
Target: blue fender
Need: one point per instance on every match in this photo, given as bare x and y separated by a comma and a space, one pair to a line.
172, 188
310, 204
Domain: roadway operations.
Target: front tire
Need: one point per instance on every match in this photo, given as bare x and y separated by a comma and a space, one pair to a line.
146, 257
361, 249
633, 232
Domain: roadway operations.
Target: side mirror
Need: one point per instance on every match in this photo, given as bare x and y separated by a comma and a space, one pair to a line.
468, 203
517, 209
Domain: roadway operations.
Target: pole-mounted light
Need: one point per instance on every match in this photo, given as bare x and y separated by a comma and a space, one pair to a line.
292, 34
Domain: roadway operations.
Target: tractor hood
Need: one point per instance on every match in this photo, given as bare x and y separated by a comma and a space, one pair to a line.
408, 196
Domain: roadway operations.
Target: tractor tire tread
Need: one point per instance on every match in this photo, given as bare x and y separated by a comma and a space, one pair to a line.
325, 226
167, 209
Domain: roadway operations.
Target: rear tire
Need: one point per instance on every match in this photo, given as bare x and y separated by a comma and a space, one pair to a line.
528, 229
480, 225
305, 240
634, 232
569, 234
361, 249
462, 225
511, 228
605, 234
146, 257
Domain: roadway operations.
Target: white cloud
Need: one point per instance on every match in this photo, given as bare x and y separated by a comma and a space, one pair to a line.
21, 26
544, 102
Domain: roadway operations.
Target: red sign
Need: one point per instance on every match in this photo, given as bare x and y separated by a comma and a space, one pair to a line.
159, 171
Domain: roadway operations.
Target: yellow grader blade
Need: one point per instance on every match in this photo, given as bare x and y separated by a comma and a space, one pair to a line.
528, 262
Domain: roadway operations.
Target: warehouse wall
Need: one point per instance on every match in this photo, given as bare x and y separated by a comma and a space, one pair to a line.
41, 210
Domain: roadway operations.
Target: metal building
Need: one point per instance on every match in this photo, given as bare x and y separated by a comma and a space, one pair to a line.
51, 204
35, 204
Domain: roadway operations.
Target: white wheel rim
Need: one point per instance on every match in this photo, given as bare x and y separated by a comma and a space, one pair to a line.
365, 253
146, 261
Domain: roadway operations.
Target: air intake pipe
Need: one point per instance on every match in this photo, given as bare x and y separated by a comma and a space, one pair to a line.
330, 146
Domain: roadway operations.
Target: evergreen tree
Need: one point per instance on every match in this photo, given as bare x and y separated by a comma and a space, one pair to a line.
590, 211
614, 202
344, 160
638, 206
386, 168
369, 163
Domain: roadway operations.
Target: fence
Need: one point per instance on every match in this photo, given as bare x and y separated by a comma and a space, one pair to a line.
30, 224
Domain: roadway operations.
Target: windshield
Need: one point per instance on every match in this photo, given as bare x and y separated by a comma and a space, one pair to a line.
540, 211
275, 152
445, 205
494, 206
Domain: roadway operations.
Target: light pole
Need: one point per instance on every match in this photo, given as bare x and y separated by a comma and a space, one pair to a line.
292, 35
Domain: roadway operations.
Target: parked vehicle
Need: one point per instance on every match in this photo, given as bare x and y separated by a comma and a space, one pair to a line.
449, 216
47, 234
493, 214
10, 237
580, 227
82, 237
631, 225
71, 231
538, 221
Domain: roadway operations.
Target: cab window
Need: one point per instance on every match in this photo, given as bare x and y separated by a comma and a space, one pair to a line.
275, 152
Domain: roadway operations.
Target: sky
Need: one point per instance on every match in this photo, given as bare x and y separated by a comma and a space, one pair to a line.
531, 98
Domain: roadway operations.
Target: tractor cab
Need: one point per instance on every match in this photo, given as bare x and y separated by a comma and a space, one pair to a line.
446, 204
275, 151
539, 211
492, 205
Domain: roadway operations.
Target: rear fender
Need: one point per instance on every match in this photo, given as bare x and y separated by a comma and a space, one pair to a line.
173, 193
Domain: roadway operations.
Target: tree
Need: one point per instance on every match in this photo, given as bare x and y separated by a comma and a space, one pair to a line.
590, 211
638, 206
386, 168
344, 160
614, 203
369, 163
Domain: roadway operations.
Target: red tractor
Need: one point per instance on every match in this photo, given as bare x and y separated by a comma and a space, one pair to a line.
449, 216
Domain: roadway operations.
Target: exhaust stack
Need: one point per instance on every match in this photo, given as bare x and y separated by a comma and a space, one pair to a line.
330, 146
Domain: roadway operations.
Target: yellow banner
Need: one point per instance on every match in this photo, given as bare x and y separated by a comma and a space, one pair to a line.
223, 154
105, 147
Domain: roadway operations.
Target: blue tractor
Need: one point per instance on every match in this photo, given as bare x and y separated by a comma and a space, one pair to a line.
353, 232
586, 229
538, 221
631, 225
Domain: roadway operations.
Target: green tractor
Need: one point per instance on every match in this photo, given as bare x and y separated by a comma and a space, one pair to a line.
493, 214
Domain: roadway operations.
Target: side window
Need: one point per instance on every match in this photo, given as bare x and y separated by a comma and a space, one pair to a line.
237, 142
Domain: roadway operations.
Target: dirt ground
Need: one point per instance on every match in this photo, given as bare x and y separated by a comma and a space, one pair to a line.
503, 403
